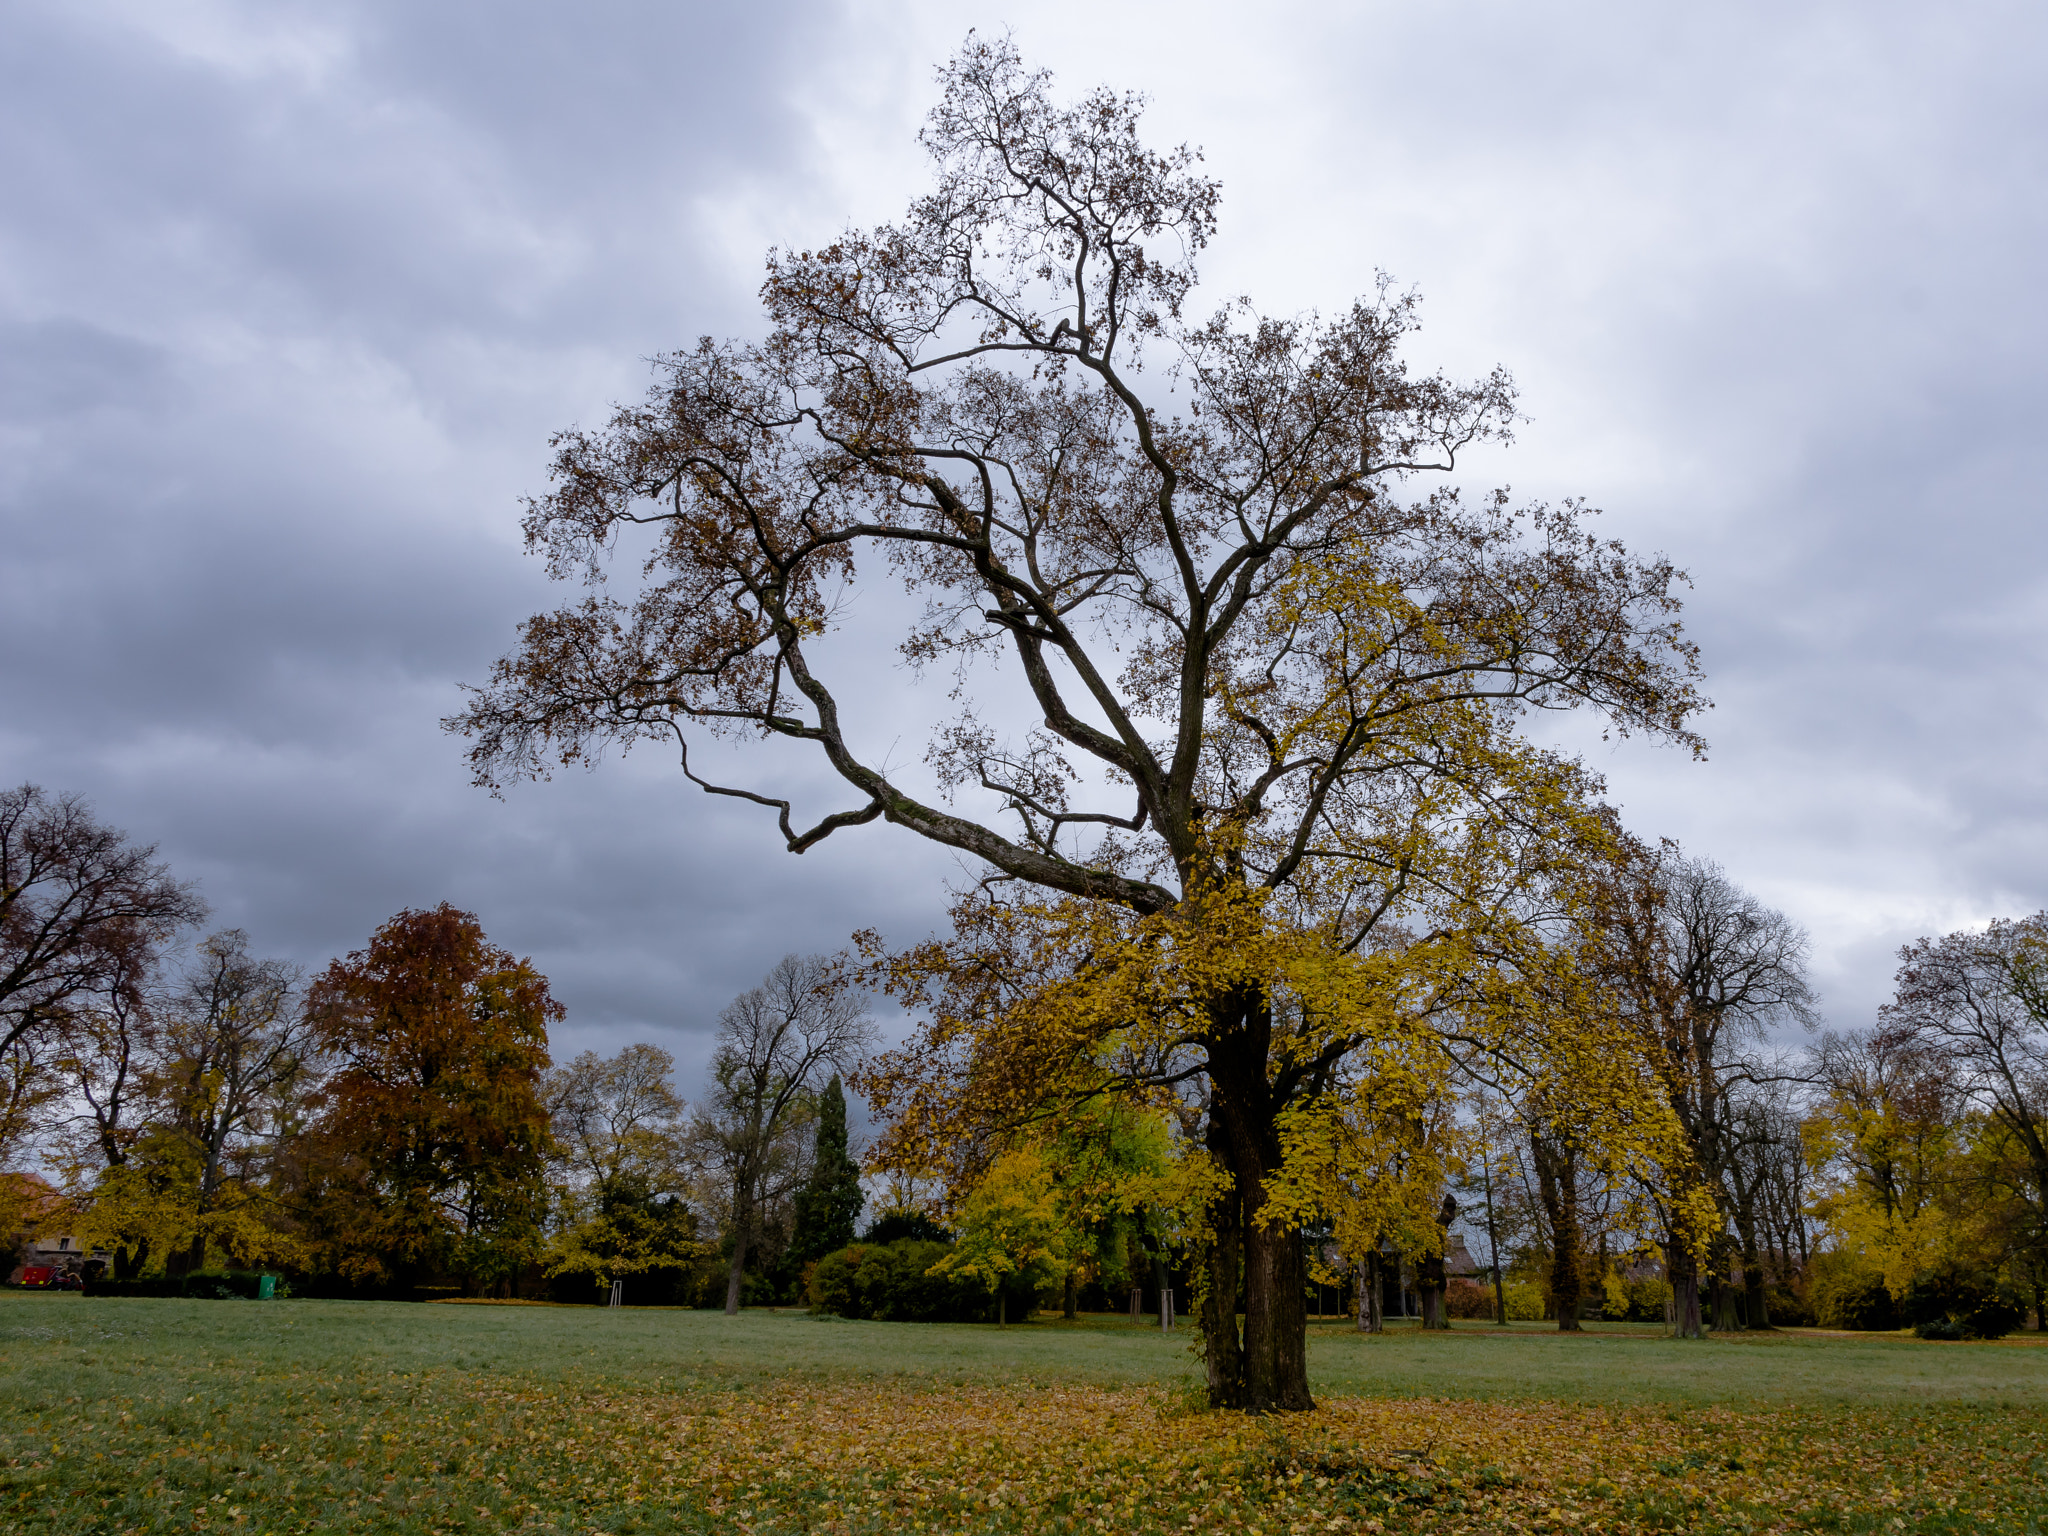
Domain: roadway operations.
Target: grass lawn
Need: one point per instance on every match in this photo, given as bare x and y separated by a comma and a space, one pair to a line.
301, 1416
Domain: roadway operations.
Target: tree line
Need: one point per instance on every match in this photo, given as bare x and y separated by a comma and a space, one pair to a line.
395, 1123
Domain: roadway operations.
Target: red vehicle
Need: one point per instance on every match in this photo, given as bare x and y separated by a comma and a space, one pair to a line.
39, 1275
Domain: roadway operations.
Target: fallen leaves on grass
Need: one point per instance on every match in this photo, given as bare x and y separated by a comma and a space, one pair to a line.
852, 1459
441, 1452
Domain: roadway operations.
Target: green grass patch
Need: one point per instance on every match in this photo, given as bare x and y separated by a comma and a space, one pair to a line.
121, 1414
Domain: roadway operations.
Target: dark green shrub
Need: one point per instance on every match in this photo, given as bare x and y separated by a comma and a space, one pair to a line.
895, 1226
1845, 1298
156, 1287
888, 1282
1959, 1304
1788, 1308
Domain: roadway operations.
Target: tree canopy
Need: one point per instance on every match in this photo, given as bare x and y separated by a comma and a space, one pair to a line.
1271, 687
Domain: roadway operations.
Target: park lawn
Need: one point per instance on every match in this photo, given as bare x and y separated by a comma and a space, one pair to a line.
300, 1416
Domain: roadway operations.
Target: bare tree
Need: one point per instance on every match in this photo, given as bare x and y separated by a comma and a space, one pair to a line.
617, 1118
83, 913
777, 1045
1706, 971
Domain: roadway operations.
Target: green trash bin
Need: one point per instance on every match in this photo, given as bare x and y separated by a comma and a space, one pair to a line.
266, 1287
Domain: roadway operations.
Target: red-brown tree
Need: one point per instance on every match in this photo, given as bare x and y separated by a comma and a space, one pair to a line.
433, 1135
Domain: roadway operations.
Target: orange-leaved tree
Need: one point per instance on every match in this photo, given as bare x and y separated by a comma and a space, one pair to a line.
1254, 667
433, 1137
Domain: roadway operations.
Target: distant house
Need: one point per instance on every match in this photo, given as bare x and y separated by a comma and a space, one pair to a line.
31, 1246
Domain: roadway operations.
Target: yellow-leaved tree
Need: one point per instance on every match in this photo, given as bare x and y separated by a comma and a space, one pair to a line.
1272, 756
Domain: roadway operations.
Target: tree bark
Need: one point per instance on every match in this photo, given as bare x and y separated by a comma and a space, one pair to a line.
1557, 1183
1369, 1297
130, 1262
1273, 1374
1072, 1305
738, 1269
1430, 1278
1725, 1320
1222, 1277
1682, 1270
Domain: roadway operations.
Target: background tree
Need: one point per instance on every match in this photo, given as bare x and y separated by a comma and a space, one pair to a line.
621, 1179
433, 1133
1979, 1002
1275, 675
776, 1046
185, 1092
1014, 1234
828, 1206
233, 1057
1703, 971
83, 915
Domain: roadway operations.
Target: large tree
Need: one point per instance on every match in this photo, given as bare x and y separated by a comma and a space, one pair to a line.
433, 1134
620, 1174
187, 1096
1253, 666
1703, 972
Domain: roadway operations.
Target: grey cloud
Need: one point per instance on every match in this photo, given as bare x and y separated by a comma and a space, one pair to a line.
291, 295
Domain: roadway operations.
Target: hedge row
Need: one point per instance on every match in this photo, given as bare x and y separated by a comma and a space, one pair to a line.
210, 1285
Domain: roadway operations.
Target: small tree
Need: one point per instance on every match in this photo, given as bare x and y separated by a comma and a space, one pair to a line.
618, 1131
828, 1206
1013, 1232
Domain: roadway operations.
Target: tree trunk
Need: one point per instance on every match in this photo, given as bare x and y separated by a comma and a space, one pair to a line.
1681, 1268
1369, 1298
1431, 1279
1072, 1306
1222, 1261
1725, 1320
1755, 1302
1756, 1312
1274, 1369
1557, 1183
130, 1262
734, 1274
1500, 1284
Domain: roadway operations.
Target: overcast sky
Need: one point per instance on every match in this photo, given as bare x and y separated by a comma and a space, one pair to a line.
291, 296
